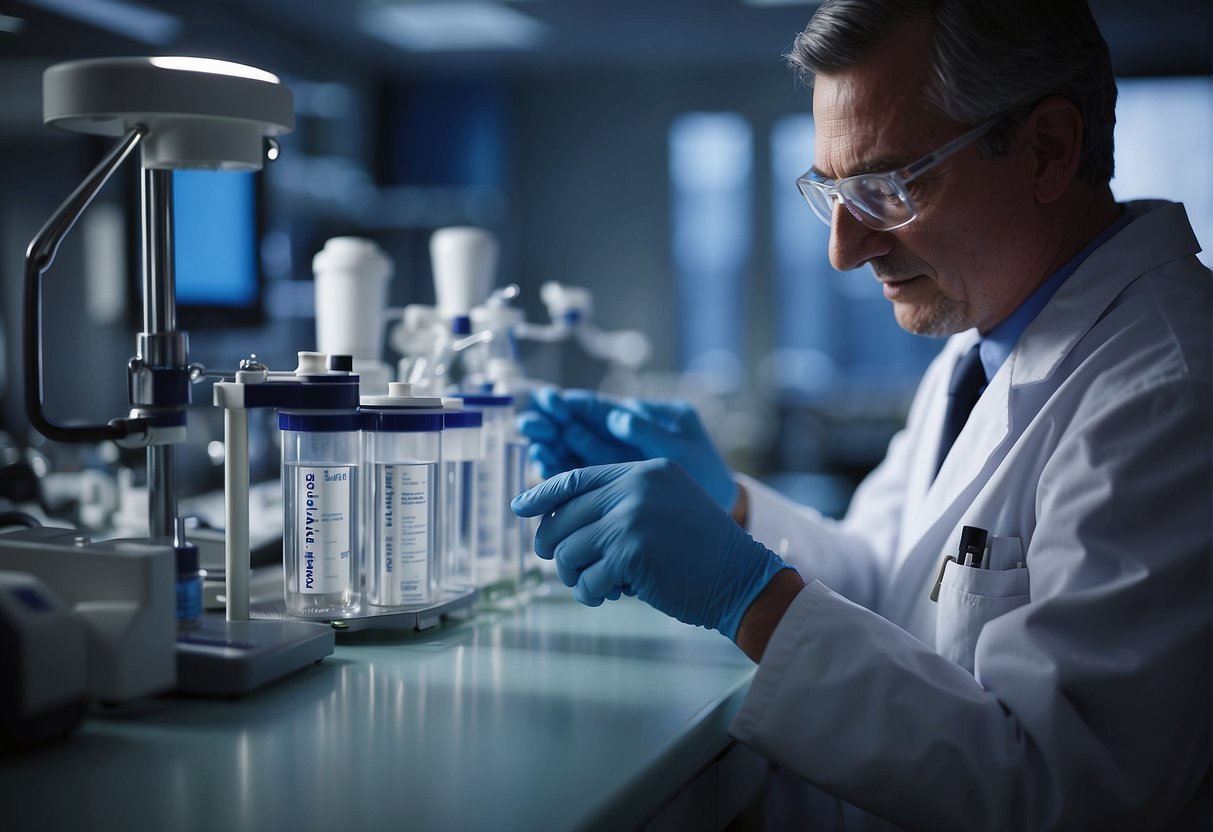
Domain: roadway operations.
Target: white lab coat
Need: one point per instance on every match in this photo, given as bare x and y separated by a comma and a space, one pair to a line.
1072, 692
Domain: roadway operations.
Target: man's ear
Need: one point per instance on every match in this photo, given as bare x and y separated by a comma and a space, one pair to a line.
1053, 141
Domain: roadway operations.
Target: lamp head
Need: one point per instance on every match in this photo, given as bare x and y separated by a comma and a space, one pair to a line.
199, 112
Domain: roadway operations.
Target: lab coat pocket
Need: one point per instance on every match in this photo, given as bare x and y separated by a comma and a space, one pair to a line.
970, 598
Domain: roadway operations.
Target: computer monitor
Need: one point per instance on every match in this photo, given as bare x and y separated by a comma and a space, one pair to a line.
216, 235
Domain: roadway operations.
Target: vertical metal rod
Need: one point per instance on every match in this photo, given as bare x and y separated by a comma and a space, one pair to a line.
159, 316
236, 509
159, 277
161, 490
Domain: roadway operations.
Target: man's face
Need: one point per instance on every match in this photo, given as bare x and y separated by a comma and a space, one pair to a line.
971, 255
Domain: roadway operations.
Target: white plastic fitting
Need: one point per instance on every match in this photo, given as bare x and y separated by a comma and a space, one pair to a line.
464, 260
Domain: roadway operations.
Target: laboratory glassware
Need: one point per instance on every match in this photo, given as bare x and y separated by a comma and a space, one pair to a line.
402, 448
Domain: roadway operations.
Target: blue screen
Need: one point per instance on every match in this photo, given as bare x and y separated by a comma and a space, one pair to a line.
215, 238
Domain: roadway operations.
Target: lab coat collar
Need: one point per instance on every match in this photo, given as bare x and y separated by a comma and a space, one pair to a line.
1161, 233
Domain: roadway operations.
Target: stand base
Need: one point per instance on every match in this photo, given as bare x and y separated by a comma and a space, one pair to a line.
421, 618
231, 658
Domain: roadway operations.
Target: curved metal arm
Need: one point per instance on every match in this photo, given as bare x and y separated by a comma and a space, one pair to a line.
38, 258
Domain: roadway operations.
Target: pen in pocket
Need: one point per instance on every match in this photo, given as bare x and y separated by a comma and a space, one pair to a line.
972, 547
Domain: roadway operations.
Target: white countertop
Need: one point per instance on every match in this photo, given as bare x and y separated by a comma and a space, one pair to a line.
546, 716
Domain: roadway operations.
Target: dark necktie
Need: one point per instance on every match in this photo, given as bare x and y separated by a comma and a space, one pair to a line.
968, 380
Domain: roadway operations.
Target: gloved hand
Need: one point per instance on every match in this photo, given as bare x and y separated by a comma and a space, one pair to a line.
580, 428
562, 441
647, 529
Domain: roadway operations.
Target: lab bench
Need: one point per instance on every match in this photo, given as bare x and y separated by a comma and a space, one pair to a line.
543, 715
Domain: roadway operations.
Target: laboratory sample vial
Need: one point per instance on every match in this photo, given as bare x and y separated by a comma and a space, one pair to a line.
461, 449
402, 437
321, 457
490, 571
517, 550
189, 586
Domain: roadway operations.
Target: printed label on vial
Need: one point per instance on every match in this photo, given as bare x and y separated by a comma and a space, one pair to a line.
325, 542
405, 532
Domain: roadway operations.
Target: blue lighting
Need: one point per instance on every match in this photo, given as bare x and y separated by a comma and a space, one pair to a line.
215, 238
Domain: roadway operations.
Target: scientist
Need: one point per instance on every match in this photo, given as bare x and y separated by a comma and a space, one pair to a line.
1056, 675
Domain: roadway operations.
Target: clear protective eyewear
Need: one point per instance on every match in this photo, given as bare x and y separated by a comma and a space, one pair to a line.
880, 200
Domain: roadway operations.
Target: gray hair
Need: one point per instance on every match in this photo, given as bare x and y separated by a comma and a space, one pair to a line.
988, 57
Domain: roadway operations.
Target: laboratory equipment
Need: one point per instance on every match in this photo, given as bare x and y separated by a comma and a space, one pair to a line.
402, 448
352, 276
461, 454
321, 464
43, 649
495, 567
189, 580
492, 359
470, 339
181, 113
318, 387
571, 310
517, 541
435, 340
124, 594
464, 261
318, 416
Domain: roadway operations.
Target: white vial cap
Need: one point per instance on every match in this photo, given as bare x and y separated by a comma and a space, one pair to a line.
312, 364
400, 394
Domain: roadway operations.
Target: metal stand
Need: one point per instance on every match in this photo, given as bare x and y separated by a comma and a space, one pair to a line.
421, 618
254, 387
181, 113
232, 658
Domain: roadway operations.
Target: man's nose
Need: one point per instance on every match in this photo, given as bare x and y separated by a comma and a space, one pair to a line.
852, 243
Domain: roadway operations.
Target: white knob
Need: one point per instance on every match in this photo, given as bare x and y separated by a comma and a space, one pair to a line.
312, 364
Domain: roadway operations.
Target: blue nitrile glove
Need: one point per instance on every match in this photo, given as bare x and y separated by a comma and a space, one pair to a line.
648, 529
580, 428
562, 441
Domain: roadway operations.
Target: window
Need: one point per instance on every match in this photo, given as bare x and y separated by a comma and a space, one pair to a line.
1164, 147
711, 179
832, 328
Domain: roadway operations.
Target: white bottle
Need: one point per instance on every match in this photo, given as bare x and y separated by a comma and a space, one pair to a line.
464, 260
352, 276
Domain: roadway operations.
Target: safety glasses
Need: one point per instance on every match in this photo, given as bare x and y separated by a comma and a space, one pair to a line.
880, 200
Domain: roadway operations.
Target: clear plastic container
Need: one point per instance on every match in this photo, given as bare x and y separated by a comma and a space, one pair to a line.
494, 567
402, 445
518, 556
461, 452
321, 458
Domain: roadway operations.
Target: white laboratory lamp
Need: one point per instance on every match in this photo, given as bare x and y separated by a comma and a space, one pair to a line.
194, 113
183, 113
